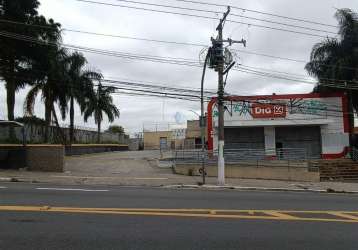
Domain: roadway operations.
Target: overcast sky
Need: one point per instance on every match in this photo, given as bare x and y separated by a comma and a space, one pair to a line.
136, 111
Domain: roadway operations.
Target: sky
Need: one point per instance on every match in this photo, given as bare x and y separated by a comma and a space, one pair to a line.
146, 112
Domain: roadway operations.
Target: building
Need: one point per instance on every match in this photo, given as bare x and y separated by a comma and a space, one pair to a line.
171, 139
193, 134
318, 124
179, 138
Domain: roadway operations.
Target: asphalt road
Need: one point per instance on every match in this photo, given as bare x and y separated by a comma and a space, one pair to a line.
96, 230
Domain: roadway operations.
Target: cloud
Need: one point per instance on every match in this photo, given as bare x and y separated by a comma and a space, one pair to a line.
135, 111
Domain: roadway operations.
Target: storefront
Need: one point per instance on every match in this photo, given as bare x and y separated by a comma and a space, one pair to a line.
316, 124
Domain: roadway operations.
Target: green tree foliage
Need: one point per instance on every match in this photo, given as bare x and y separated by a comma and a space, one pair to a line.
31, 120
115, 129
79, 85
100, 102
31, 54
17, 55
337, 58
52, 86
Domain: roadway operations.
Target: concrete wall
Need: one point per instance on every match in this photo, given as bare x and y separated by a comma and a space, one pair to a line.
152, 139
80, 149
34, 157
193, 129
135, 144
250, 172
12, 156
35, 134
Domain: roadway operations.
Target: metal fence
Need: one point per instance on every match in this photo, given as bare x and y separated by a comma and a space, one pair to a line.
354, 154
245, 156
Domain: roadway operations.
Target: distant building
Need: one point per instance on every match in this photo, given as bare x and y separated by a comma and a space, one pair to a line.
189, 138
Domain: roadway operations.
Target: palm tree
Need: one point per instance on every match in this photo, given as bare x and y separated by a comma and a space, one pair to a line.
337, 58
52, 87
101, 102
80, 84
16, 55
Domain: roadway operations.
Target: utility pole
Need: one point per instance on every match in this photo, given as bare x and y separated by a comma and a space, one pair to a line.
217, 62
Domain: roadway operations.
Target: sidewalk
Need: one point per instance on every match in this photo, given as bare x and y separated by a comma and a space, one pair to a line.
141, 168
173, 181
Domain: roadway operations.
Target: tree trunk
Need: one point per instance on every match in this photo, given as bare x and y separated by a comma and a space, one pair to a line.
99, 132
48, 111
72, 118
10, 95
62, 135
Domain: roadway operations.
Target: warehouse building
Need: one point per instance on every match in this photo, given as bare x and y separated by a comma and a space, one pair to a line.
175, 139
317, 125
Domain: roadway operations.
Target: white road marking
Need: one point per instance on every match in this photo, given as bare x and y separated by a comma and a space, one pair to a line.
148, 178
83, 177
74, 189
3, 187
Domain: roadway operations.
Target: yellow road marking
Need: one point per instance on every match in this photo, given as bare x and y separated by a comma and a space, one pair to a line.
342, 216
281, 215
345, 215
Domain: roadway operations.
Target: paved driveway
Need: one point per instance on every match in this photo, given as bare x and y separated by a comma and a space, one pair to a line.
122, 164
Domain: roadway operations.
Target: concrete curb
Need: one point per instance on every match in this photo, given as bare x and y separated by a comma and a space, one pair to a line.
187, 186
212, 187
8, 179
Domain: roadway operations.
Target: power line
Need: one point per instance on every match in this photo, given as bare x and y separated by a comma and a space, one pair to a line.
271, 56
216, 12
193, 97
176, 89
265, 74
145, 92
274, 71
169, 42
167, 60
107, 35
259, 12
304, 77
200, 16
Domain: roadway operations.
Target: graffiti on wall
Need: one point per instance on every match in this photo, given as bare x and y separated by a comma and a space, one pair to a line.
310, 107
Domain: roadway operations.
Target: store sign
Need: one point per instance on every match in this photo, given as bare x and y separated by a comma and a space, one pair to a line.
268, 110
178, 134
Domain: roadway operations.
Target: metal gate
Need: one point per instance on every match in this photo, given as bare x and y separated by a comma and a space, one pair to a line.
305, 137
245, 138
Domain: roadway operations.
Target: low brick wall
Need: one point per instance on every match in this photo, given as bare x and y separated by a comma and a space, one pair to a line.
247, 172
47, 158
80, 149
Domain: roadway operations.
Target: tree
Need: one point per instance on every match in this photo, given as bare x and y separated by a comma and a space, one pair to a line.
100, 102
334, 61
13, 52
115, 129
79, 85
31, 120
52, 86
